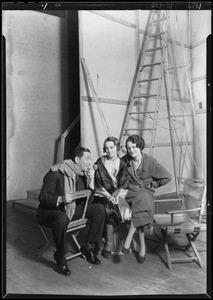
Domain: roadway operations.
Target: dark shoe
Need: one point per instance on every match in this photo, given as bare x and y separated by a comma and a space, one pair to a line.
90, 256
62, 266
125, 250
106, 253
96, 250
141, 259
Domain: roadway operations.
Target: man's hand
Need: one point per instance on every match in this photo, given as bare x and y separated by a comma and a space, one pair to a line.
69, 197
90, 173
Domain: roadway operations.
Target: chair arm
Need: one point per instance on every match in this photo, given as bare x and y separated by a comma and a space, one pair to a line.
172, 213
168, 200
83, 194
183, 211
195, 180
157, 201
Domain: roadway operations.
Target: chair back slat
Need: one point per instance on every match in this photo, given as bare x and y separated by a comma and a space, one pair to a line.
194, 192
86, 204
81, 194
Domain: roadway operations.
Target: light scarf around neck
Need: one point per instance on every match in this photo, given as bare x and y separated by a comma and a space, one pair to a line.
70, 170
133, 173
112, 168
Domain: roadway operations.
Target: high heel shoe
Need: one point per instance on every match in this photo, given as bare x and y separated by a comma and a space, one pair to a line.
125, 250
106, 253
141, 259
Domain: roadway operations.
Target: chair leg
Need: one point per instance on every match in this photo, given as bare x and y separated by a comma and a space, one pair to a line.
48, 242
191, 242
163, 241
193, 239
45, 247
159, 242
73, 235
76, 241
168, 257
166, 247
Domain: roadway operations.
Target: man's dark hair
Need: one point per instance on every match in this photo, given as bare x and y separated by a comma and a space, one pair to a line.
79, 151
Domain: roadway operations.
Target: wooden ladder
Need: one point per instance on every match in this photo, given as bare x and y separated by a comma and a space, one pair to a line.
156, 19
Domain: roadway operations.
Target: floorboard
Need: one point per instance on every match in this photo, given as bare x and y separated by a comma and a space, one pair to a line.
120, 275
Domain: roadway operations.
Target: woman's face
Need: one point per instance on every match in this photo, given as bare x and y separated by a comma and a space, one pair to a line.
110, 149
133, 150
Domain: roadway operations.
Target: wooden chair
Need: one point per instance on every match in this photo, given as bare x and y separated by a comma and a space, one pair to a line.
186, 220
73, 227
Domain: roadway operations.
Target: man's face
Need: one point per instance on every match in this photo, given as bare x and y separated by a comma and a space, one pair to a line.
84, 162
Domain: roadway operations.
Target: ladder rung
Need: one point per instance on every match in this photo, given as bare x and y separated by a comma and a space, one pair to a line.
180, 116
157, 34
150, 112
138, 129
184, 259
144, 112
152, 79
151, 64
154, 49
144, 96
159, 20
168, 144
178, 67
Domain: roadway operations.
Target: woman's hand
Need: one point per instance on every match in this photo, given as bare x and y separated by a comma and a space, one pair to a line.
114, 200
154, 184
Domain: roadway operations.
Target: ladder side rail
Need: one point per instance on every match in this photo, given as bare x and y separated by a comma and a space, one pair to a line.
140, 61
186, 71
170, 111
164, 44
183, 112
83, 62
157, 103
174, 69
186, 144
157, 107
189, 88
181, 144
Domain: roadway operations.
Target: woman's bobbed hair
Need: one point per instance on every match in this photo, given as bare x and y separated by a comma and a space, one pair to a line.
136, 139
111, 139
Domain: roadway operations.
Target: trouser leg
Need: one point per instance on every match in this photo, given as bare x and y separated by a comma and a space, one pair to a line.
96, 216
96, 212
58, 222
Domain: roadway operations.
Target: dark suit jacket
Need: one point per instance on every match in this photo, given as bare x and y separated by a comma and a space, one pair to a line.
53, 187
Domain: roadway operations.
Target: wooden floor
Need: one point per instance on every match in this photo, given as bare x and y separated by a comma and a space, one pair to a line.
120, 275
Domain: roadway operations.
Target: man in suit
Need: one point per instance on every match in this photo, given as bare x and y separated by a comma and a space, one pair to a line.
57, 208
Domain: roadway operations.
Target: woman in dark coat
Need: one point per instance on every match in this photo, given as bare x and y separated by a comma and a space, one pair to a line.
111, 179
145, 174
